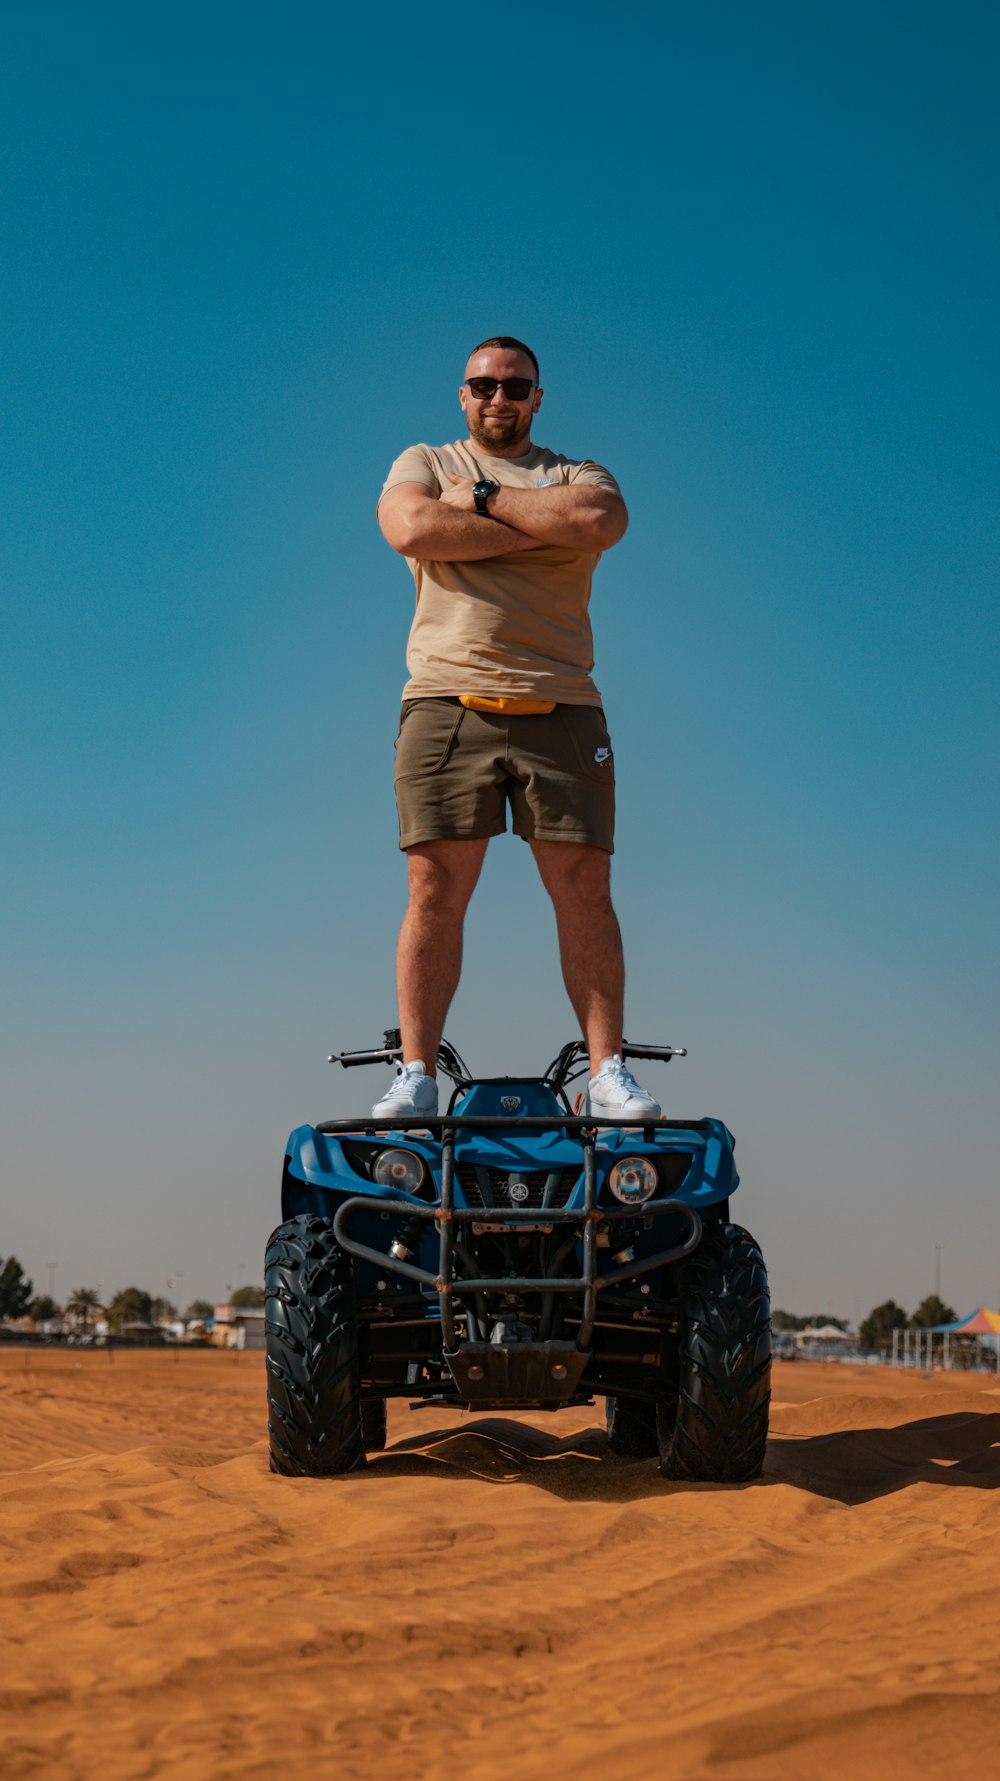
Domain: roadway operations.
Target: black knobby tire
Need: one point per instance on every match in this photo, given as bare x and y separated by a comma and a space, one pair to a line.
373, 1424
631, 1427
313, 1384
717, 1431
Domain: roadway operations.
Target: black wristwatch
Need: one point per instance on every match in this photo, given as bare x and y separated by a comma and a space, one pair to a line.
481, 492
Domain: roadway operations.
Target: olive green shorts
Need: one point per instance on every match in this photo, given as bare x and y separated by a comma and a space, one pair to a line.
457, 770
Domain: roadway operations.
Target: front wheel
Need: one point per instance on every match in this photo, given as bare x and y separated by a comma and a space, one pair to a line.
315, 1418
717, 1430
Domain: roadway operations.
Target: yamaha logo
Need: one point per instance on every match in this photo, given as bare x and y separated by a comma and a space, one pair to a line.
510, 1103
519, 1191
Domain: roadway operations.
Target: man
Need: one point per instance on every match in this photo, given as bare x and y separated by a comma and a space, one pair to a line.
503, 537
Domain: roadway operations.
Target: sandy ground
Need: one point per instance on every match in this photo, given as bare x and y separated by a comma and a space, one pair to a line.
494, 1597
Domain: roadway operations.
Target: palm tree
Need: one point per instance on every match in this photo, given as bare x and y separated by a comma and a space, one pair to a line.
82, 1302
131, 1305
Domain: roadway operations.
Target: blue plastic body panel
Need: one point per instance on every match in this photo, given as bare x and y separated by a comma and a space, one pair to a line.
318, 1173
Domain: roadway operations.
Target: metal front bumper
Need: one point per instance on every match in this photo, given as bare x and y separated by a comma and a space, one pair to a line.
449, 1218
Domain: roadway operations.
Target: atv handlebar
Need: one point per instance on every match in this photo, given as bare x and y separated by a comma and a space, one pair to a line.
662, 1052
571, 1062
391, 1052
351, 1059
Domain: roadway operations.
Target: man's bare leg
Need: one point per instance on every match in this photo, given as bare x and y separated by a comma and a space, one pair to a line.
442, 876
578, 879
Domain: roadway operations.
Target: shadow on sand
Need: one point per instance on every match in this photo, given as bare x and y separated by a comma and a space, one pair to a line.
850, 1466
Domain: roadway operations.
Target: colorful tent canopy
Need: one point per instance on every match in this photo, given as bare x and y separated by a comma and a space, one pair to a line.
978, 1323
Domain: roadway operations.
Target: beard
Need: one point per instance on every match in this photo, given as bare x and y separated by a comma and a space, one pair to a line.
492, 430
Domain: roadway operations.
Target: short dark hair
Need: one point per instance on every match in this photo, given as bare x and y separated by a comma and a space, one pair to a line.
512, 345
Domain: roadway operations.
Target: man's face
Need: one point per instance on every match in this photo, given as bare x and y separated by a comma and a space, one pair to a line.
498, 423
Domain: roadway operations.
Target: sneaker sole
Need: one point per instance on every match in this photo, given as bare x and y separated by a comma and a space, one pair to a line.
639, 1115
379, 1112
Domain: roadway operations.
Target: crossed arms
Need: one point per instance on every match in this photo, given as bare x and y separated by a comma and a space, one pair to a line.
447, 529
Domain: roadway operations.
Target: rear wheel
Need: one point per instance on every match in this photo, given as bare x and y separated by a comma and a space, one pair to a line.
373, 1424
631, 1427
717, 1430
313, 1385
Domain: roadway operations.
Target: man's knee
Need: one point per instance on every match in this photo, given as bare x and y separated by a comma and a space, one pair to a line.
573, 871
442, 875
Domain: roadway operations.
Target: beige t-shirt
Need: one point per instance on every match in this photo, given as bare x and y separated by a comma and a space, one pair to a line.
514, 626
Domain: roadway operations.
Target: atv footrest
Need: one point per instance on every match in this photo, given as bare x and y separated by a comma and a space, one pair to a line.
533, 1372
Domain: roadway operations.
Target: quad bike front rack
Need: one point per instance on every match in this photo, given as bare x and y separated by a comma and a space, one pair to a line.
500, 1370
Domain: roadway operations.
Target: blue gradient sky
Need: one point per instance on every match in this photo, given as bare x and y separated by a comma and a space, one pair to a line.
246, 250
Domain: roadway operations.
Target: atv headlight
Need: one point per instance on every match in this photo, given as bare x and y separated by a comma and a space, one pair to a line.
399, 1168
633, 1180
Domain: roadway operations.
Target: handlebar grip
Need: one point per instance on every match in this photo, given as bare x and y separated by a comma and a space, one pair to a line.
656, 1053
351, 1059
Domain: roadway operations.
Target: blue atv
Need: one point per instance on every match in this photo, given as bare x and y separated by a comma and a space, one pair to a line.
510, 1255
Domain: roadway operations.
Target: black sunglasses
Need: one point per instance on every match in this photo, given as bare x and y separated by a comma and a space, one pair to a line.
516, 389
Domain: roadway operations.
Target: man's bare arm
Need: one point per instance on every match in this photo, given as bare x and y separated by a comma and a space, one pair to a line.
419, 524
579, 516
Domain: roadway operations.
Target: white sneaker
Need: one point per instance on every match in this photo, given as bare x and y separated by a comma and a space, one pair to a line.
412, 1092
615, 1094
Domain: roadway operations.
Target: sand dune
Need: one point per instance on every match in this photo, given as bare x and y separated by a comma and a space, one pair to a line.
495, 1596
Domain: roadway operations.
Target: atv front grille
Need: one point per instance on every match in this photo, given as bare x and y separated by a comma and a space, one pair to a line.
482, 1186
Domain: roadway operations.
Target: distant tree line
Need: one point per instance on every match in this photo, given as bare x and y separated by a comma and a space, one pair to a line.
876, 1330
130, 1305
787, 1320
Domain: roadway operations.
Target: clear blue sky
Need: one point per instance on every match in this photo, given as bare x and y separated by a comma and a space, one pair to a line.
246, 249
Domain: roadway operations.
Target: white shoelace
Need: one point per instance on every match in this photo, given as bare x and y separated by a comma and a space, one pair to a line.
614, 1073
406, 1074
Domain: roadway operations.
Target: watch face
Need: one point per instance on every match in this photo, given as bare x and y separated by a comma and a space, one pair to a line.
483, 488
